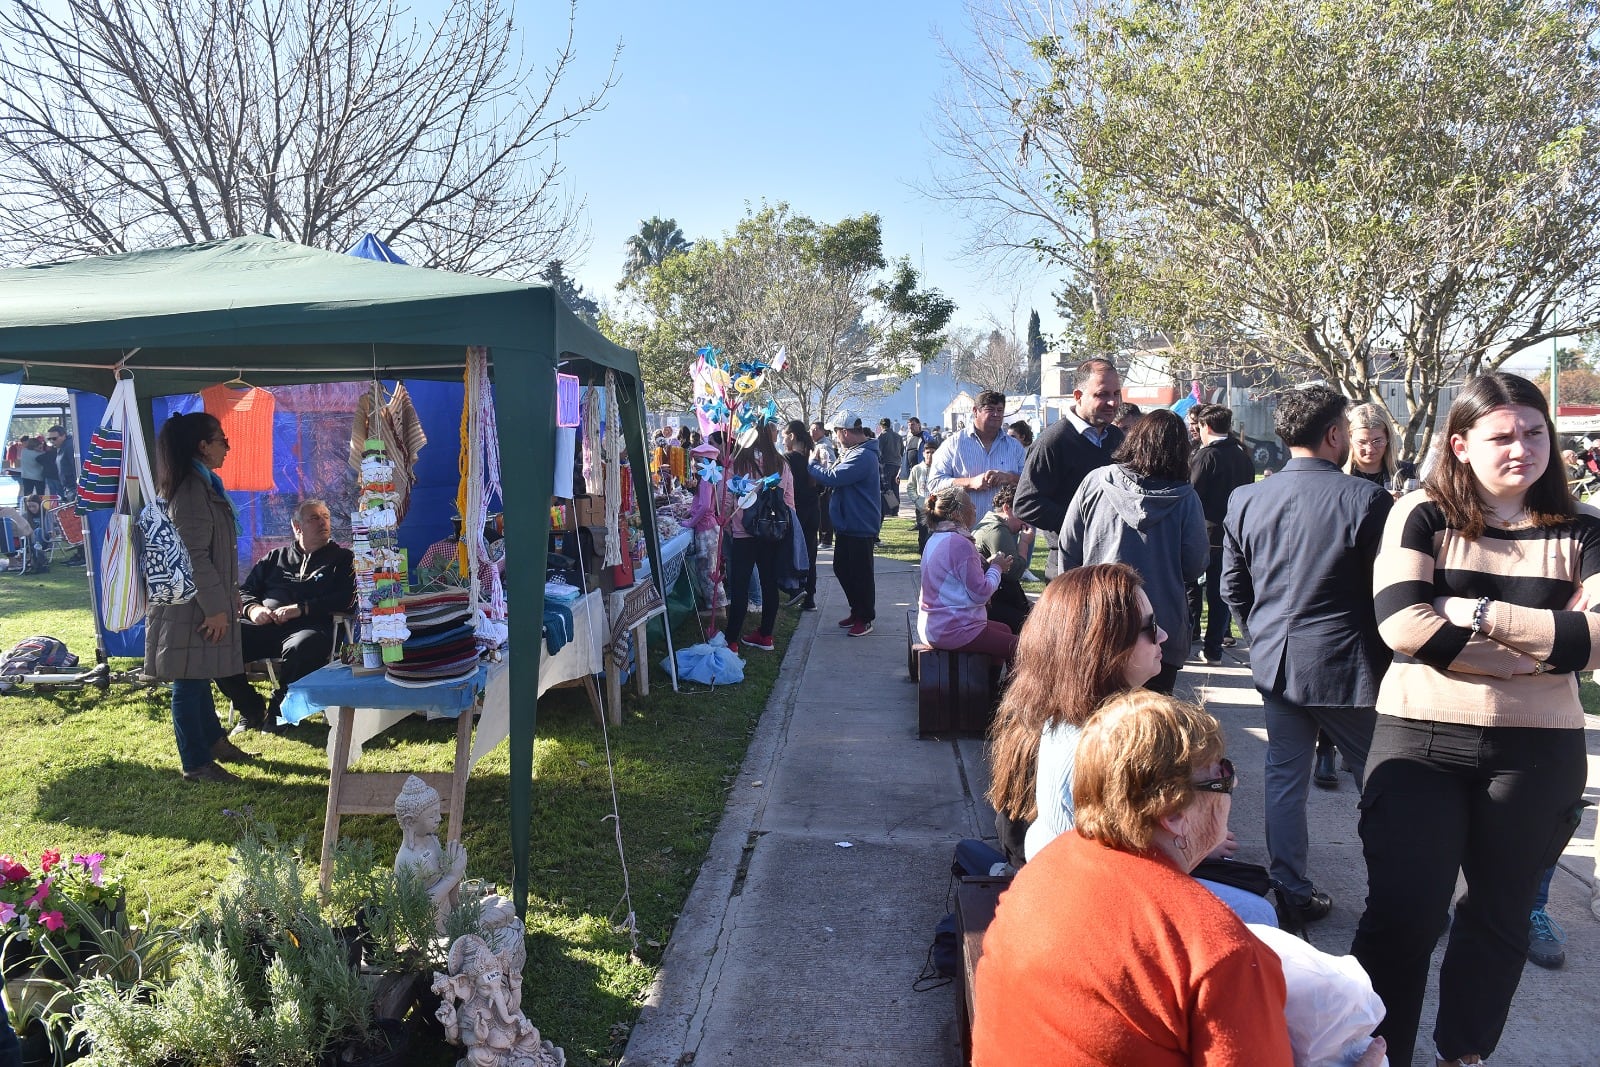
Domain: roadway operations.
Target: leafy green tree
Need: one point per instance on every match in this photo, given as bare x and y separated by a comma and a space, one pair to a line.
824, 293
571, 293
1579, 385
1347, 190
1035, 355
657, 239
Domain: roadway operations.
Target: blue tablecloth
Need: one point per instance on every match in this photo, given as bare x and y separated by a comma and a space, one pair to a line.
334, 687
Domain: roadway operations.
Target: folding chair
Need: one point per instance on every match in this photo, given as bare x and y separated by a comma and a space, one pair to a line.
21, 555
66, 533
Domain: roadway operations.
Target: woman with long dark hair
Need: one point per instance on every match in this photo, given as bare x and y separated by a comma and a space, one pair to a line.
1142, 511
190, 644
745, 551
1477, 763
807, 501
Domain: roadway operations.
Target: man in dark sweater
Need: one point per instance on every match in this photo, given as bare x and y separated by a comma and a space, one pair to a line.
1219, 466
1065, 453
290, 599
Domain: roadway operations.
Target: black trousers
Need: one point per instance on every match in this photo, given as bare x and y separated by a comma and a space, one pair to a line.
808, 527
745, 553
1010, 605
302, 648
824, 520
852, 565
1495, 803
1220, 618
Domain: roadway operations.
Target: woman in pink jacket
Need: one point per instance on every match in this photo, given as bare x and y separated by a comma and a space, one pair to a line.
956, 586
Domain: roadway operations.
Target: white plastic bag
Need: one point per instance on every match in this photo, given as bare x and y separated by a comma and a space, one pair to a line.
1332, 1009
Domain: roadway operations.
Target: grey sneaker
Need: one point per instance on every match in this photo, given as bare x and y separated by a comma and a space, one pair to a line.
1545, 938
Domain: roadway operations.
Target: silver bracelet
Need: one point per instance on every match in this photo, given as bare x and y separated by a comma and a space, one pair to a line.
1480, 614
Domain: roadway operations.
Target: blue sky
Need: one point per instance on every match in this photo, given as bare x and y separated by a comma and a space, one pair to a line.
827, 106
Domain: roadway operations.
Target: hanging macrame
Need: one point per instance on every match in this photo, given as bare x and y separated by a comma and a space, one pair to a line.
480, 483
611, 451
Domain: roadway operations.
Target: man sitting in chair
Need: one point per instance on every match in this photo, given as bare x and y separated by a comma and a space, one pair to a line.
288, 604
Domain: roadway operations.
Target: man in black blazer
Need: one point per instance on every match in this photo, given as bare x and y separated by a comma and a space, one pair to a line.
1064, 454
1297, 562
1218, 467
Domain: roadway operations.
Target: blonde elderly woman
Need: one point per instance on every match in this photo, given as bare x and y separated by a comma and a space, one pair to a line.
1104, 950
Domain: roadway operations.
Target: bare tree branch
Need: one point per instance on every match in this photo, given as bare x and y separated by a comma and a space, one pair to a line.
140, 123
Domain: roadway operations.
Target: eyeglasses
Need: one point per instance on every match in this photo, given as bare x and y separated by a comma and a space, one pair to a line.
1224, 784
220, 439
1149, 627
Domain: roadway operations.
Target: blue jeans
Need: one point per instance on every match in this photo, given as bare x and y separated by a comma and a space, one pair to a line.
1542, 897
1243, 903
194, 721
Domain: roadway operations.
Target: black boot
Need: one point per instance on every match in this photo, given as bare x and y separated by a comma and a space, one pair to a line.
1326, 774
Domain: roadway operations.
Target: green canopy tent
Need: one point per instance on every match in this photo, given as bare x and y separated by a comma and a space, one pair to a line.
181, 319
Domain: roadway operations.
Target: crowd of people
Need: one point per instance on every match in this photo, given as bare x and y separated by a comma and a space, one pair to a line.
1432, 639
1422, 627
45, 467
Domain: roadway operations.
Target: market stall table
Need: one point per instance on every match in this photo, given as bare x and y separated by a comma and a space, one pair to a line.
631, 609
372, 703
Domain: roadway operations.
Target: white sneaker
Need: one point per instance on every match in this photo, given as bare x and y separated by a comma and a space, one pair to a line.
1028, 576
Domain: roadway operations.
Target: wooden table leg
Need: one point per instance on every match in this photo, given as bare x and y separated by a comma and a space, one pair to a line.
458, 776
330, 825
593, 690
613, 689
641, 657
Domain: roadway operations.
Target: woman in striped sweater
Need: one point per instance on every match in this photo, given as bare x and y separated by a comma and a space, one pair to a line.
1478, 758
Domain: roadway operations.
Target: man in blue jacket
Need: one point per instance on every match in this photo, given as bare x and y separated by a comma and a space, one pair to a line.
857, 516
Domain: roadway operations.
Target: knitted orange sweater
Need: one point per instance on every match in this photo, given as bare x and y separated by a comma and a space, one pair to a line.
1103, 957
246, 417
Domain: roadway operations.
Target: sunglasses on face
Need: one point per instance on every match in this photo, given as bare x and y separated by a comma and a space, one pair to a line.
1223, 784
1149, 627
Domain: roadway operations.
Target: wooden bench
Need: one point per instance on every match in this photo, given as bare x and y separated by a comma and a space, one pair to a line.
976, 899
956, 693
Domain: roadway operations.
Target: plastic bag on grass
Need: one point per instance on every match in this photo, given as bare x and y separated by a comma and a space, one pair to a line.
1331, 1009
711, 663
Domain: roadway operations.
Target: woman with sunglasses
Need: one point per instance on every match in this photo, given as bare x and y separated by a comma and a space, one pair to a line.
1142, 511
1092, 636
1104, 950
190, 644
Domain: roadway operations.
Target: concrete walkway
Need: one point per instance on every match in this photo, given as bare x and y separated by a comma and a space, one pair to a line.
812, 916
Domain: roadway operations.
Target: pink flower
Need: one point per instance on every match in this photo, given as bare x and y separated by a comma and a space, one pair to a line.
8, 912
40, 894
11, 870
91, 863
52, 920
48, 859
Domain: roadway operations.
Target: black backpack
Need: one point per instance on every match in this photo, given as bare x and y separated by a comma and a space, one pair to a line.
768, 518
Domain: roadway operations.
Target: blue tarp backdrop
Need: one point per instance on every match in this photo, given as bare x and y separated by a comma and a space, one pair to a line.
309, 460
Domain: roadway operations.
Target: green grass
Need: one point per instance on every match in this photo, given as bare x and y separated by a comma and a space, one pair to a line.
83, 771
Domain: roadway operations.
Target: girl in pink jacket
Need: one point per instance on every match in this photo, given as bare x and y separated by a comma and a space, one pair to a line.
952, 610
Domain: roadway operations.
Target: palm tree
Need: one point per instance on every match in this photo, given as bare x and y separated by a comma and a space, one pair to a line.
656, 240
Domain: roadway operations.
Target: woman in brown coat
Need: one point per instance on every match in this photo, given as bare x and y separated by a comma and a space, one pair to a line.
190, 644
